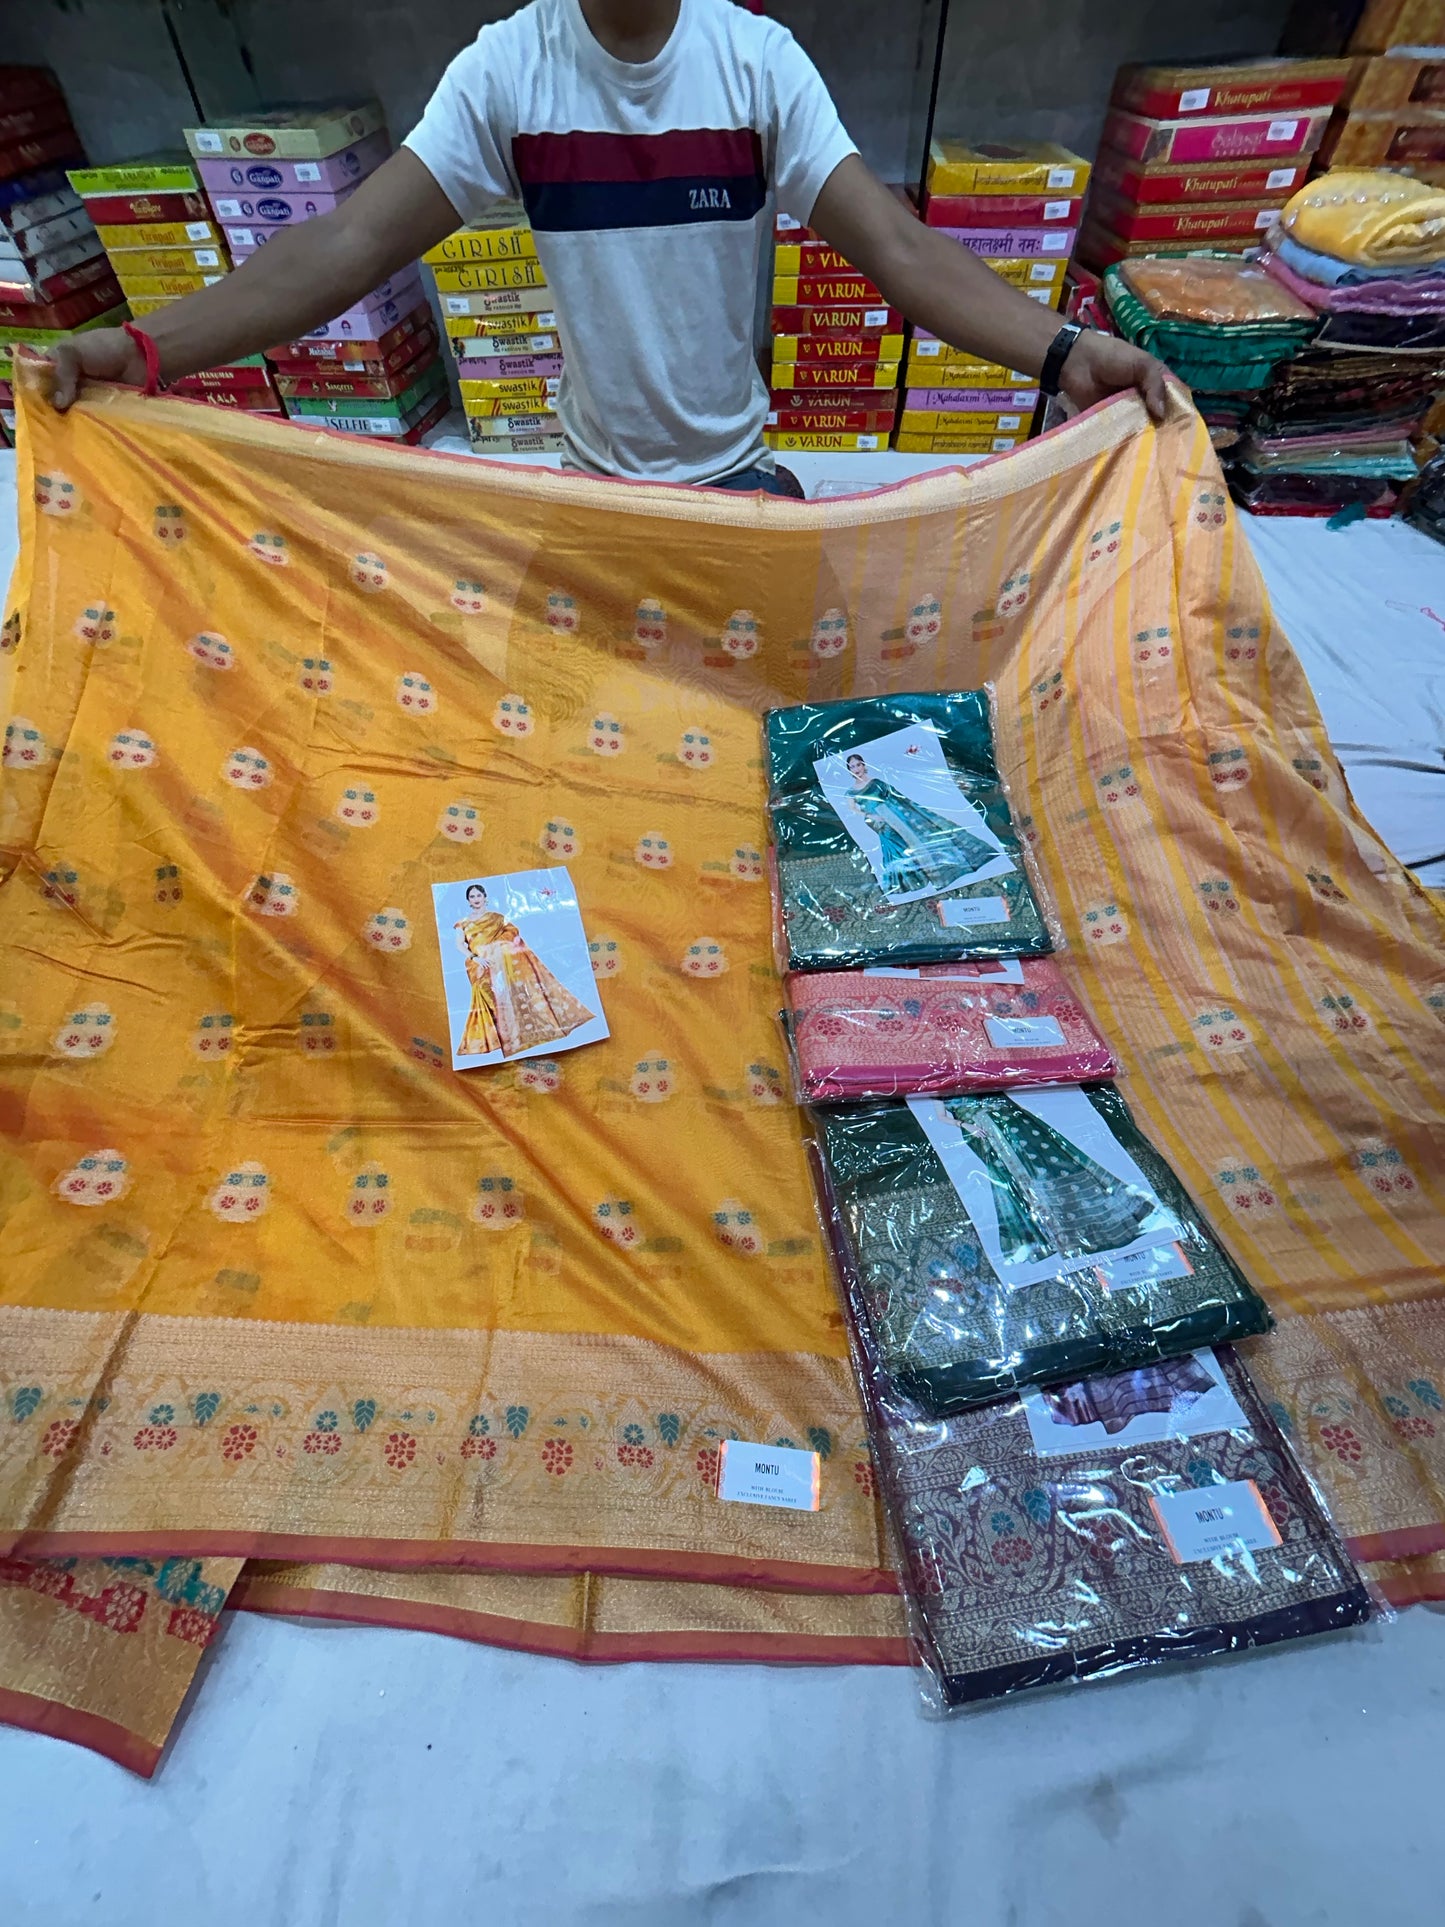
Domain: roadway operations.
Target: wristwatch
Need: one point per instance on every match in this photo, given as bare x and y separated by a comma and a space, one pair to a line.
1058, 354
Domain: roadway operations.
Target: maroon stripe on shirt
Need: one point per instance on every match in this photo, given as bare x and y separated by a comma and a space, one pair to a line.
682, 152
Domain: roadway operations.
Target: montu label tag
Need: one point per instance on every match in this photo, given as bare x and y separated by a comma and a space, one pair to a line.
962, 913
1208, 1520
1023, 1033
769, 1475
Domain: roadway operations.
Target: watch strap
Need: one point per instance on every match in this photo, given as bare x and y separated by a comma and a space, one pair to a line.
1058, 354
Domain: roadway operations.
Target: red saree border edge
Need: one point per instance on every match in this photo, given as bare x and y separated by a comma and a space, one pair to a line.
565, 1642
390, 1555
1412, 1592
89, 1730
1413, 1542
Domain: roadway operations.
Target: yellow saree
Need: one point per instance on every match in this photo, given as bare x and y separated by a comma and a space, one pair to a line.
280, 1287
517, 1003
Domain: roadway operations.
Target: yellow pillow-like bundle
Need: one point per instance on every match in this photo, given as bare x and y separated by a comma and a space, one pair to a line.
1370, 218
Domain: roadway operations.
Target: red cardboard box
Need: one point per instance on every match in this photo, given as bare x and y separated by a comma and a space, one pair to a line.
848, 320
1227, 220
100, 296
1003, 210
825, 291
813, 420
1269, 86
131, 210
1173, 184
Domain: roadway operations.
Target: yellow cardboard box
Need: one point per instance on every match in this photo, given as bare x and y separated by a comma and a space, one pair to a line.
483, 244
488, 277
944, 444
820, 444
159, 234
144, 284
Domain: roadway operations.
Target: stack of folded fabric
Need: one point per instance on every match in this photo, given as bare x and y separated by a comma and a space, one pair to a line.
275, 169
836, 351
1365, 249
53, 272
1003, 1233
509, 360
1018, 207
1204, 156
1220, 322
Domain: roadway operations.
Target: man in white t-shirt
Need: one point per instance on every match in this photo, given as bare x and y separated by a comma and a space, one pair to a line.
648, 140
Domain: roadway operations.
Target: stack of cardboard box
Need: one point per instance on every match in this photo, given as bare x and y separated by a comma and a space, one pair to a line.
53, 272
163, 245
374, 370
836, 349
1016, 206
1204, 157
502, 329
1392, 113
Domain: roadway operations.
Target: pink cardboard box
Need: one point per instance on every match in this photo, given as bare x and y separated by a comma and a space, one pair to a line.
964, 401
508, 367
1013, 243
277, 210
1237, 137
242, 175
382, 309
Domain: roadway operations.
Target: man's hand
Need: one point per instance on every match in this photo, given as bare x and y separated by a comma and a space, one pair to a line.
100, 354
1101, 365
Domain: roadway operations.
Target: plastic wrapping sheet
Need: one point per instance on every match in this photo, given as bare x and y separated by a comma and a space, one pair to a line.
1008, 1240
1318, 455
1297, 491
1206, 289
980, 1025
893, 841
1427, 502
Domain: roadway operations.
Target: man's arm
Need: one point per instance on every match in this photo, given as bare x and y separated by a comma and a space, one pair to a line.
947, 289
296, 282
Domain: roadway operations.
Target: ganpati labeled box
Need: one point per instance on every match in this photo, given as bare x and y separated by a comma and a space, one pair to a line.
250, 174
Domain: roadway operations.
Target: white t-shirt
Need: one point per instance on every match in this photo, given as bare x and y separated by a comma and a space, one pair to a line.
647, 187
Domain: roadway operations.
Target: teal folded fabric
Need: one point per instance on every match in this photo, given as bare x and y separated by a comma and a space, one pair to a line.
1028, 1282
931, 869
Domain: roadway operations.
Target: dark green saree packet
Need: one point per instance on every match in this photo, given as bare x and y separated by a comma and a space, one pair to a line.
834, 910
947, 1326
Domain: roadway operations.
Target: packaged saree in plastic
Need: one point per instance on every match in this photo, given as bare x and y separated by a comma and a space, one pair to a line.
1013, 1239
892, 835
1037, 1552
972, 1025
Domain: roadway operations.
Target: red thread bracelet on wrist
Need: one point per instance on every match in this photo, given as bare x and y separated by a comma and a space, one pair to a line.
151, 354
